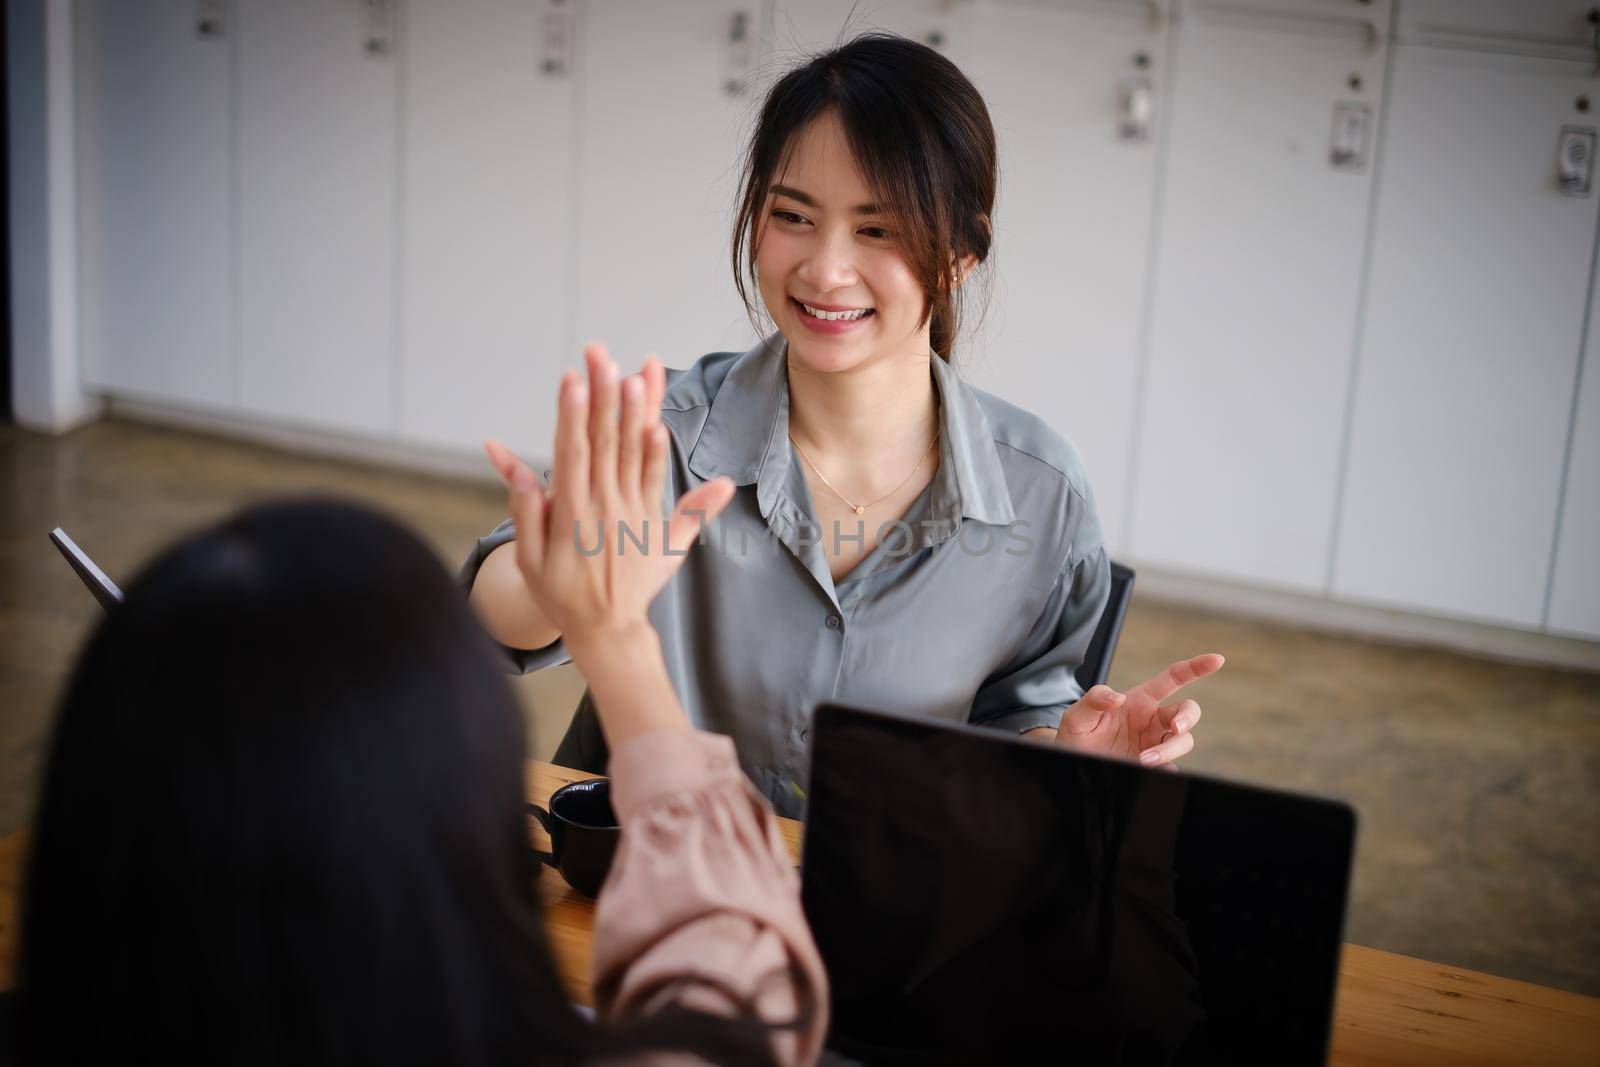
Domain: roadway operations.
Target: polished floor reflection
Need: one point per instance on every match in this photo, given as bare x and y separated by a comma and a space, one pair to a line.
1478, 782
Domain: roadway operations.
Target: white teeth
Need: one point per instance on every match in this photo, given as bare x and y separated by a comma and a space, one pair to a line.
834, 315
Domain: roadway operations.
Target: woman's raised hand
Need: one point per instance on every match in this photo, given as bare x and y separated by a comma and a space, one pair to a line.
1135, 724
597, 546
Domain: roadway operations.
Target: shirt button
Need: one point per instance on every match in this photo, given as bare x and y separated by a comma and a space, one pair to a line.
833, 622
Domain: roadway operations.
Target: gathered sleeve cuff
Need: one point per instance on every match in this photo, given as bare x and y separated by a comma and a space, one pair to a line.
702, 906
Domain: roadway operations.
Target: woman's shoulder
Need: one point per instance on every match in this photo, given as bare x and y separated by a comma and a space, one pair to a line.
686, 404
1028, 445
696, 386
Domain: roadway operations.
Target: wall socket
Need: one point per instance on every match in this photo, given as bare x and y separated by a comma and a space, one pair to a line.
1575, 160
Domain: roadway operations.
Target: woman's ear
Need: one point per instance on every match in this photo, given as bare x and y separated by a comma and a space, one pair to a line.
960, 268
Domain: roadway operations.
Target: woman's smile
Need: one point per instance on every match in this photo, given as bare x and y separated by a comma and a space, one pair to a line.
829, 319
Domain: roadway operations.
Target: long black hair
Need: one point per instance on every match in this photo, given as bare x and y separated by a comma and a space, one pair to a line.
282, 821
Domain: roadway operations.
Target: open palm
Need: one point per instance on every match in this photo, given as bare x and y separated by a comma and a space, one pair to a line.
597, 546
1134, 724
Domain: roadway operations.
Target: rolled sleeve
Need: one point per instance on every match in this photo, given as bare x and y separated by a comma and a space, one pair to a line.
522, 660
1035, 686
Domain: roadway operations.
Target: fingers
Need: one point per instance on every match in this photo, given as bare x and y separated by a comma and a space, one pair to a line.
1179, 675
656, 450
655, 387
604, 401
1084, 715
1168, 750
528, 511
654, 474
502, 459
1179, 718
1102, 697
506, 462
641, 395
610, 442
571, 477
631, 439
695, 509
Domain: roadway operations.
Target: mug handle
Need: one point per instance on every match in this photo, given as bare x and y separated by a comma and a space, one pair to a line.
547, 858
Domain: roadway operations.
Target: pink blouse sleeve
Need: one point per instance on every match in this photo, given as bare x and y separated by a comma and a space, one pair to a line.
702, 906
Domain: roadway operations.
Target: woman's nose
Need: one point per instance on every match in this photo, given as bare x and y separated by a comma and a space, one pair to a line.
828, 266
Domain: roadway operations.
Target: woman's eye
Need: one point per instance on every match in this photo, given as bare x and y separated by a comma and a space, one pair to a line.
787, 216
875, 231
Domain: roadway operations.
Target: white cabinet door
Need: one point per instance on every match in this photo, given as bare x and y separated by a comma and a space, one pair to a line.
1310, 16
802, 27
487, 291
1254, 305
1554, 28
317, 215
1072, 225
1575, 584
154, 208
1478, 281
660, 143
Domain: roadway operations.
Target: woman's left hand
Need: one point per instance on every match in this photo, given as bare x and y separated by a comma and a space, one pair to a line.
1135, 724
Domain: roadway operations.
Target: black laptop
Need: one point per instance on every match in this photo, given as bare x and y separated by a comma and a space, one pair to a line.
982, 899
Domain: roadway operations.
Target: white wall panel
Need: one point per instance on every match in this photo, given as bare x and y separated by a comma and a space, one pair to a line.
318, 220
660, 140
1555, 28
1072, 230
1575, 583
1479, 278
155, 201
1255, 306
487, 295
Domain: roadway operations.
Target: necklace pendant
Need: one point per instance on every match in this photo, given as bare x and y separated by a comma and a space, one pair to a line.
861, 509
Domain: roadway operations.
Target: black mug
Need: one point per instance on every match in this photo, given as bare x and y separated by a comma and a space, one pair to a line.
583, 833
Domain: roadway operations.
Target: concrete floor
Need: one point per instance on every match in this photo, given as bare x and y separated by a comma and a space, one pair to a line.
1478, 783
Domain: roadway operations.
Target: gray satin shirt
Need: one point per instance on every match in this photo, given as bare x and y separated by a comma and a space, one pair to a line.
978, 607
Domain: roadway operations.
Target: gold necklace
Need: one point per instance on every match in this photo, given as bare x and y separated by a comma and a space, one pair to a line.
860, 509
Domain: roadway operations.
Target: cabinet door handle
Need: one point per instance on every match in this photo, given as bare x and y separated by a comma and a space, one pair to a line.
1593, 19
209, 18
739, 54
380, 27
559, 31
1136, 100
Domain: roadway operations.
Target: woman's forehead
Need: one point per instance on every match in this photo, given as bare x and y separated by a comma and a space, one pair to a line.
821, 165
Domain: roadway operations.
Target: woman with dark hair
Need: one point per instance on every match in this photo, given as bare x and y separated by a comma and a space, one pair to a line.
282, 819
898, 539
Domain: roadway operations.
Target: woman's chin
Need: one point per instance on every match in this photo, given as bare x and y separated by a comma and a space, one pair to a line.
828, 356
826, 353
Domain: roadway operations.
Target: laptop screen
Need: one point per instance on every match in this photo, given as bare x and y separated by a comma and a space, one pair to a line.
982, 899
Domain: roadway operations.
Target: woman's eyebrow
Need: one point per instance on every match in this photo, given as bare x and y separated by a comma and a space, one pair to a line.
810, 201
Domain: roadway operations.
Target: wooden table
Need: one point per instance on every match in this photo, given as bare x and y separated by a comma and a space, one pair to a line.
1390, 1009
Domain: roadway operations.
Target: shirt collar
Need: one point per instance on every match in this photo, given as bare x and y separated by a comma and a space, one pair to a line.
746, 437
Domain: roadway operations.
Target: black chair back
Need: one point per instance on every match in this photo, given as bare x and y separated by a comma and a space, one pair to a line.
1096, 665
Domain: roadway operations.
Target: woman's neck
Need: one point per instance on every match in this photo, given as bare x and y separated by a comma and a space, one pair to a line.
859, 423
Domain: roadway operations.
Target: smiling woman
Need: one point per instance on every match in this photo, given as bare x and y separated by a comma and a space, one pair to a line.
905, 182
896, 538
